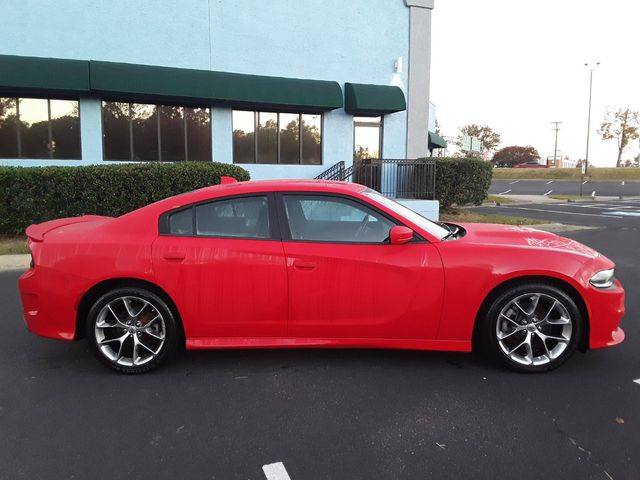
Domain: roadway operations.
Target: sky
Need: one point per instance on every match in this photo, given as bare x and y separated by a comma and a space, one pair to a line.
517, 66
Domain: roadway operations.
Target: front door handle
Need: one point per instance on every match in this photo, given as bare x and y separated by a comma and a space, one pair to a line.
302, 265
175, 256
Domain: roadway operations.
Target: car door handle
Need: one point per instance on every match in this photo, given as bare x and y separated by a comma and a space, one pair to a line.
174, 256
302, 265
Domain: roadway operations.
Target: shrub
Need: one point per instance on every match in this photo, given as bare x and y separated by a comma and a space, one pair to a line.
461, 181
36, 194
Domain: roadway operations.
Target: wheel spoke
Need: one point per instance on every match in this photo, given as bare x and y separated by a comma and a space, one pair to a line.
535, 303
134, 353
546, 317
529, 347
127, 306
144, 305
121, 339
552, 337
544, 343
143, 345
561, 321
520, 308
512, 321
158, 335
527, 338
504, 336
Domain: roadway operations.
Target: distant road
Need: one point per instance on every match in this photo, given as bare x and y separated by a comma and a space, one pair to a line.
565, 187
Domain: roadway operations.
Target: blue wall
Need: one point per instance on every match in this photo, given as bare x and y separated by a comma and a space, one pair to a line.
346, 41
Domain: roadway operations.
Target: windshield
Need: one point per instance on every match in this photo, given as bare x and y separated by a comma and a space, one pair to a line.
414, 217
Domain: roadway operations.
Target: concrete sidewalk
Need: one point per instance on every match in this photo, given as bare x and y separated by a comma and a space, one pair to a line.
14, 262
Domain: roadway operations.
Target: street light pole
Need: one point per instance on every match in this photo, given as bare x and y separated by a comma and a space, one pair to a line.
591, 68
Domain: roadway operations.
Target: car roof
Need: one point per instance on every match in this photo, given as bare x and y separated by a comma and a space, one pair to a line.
257, 186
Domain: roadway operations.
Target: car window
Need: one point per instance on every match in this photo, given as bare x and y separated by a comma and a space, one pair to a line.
242, 217
334, 219
181, 223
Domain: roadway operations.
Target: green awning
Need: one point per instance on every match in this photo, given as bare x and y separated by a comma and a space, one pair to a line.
37, 75
436, 141
373, 100
124, 80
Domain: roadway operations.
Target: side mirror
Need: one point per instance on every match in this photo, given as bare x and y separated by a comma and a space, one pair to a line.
399, 235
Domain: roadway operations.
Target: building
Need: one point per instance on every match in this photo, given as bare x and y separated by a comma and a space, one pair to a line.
286, 88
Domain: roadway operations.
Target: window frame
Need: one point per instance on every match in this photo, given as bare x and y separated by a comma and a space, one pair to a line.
130, 139
19, 156
286, 230
274, 224
256, 126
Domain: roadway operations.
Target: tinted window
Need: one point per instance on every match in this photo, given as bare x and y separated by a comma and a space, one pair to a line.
246, 217
333, 219
39, 128
181, 223
144, 132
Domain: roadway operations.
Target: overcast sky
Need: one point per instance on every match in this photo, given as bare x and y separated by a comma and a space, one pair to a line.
517, 66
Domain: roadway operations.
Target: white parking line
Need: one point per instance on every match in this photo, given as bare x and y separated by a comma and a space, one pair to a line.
566, 213
275, 471
637, 381
550, 181
622, 183
515, 181
502, 193
585, 182
547, 193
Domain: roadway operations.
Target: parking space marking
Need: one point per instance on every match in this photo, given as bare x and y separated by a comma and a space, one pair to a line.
625, 214
502, 193
637, 381
275, 471
550, 181
566, 213
516, 181
547, 193
585, 182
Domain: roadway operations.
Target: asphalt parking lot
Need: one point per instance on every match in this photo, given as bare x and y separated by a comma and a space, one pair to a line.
326, 414
565, 187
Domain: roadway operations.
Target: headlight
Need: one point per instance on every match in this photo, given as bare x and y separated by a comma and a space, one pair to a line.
602, 279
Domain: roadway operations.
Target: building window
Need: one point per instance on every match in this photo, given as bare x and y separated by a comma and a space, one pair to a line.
367, 138
272, 138
39, 128
142, 132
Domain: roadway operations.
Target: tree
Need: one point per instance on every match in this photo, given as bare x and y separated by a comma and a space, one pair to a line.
622, 125
488, 138
510, 156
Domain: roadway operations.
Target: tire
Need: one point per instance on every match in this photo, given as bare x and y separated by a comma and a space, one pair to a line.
132, 330
532, 328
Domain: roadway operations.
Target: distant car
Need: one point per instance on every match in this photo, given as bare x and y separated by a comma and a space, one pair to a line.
530, 165
270, 264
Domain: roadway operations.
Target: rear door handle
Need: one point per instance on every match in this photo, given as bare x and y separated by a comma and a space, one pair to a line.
175, 256
302, 265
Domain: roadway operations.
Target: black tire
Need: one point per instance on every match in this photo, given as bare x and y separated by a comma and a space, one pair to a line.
517, 325
164, 324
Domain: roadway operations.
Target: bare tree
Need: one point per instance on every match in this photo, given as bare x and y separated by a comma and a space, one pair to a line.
622, 125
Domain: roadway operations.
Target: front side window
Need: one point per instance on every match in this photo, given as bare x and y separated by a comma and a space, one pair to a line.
39, 128
334, 219
271, 138
144, 132
242, 217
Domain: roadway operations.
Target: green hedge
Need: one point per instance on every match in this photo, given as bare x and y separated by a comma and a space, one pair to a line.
36, 194
461, 181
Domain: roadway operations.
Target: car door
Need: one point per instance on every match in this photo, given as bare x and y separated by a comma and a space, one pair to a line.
347, 281
223, 263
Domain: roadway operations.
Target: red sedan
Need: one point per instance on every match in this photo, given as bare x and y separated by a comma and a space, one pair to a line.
313, 264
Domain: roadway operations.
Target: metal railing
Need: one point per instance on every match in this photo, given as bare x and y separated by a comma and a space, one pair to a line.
398, 178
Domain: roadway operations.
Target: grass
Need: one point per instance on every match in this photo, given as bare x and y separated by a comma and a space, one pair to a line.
498, 199
13, 244
466, 216
595, 173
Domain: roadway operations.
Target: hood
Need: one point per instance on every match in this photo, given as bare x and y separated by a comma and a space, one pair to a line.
524, 237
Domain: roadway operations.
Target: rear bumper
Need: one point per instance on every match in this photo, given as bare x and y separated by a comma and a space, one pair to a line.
47, 312
606, 310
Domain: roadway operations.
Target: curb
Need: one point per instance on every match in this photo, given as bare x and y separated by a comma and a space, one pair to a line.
14, 262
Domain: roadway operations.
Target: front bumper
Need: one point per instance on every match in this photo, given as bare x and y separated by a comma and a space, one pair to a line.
606, 309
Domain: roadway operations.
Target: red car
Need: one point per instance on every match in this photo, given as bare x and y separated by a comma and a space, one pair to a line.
313, 264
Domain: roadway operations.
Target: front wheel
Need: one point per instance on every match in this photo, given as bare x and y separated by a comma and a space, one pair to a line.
131, 330
533, 327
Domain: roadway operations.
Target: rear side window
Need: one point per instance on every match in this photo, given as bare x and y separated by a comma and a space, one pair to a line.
181, 223
242, 217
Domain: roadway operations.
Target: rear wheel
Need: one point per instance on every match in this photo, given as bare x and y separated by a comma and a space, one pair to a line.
131, 330
533, 327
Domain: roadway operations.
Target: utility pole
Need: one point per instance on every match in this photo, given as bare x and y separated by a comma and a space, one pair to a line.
555, 146
591, 68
